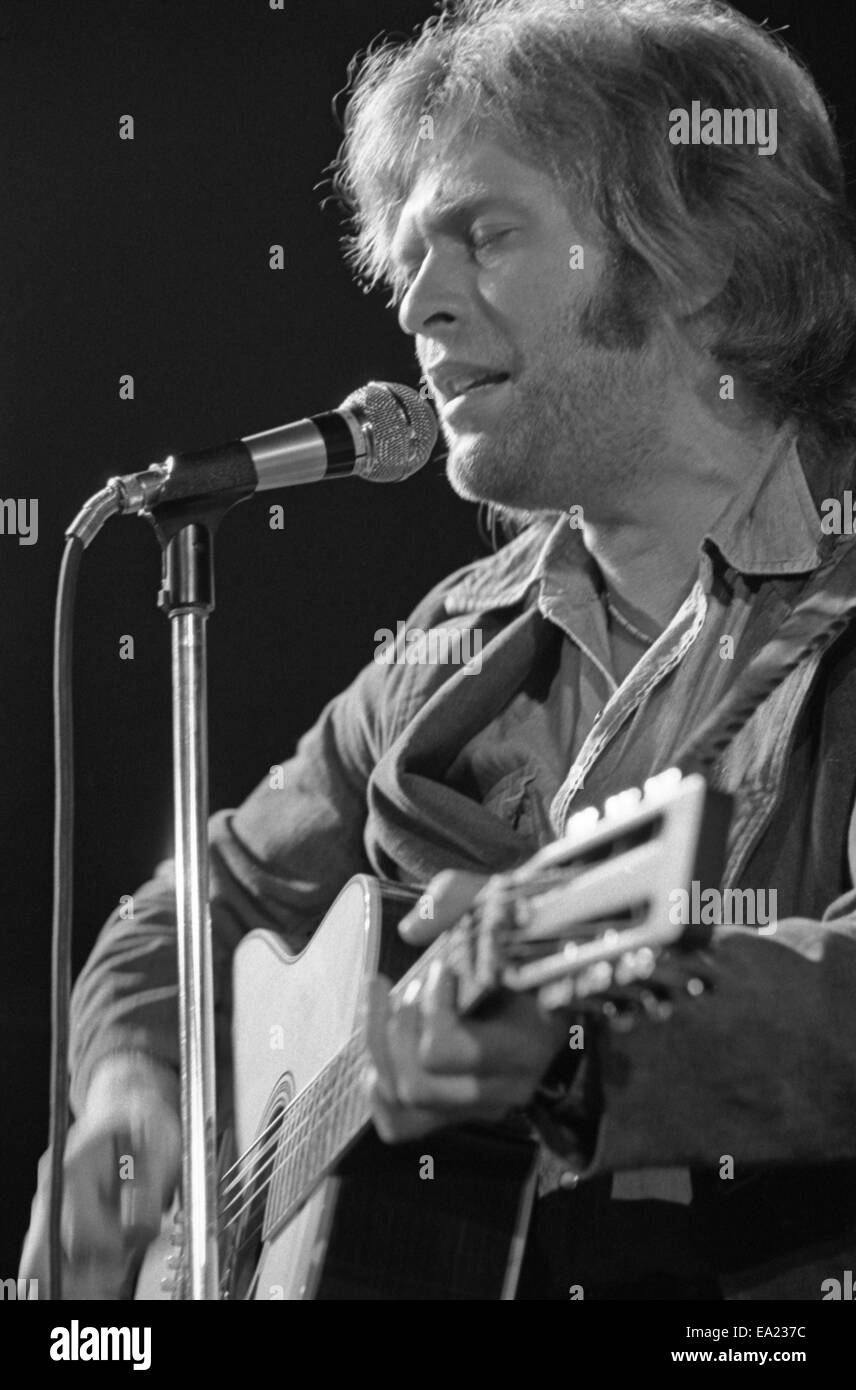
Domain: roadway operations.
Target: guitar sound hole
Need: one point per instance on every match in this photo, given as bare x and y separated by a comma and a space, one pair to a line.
244, 1248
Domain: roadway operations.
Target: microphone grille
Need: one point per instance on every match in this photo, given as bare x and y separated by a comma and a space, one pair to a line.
400, 427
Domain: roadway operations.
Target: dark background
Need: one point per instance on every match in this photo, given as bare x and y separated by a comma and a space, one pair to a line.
150, 257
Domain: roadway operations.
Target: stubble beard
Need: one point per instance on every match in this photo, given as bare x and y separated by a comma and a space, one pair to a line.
586, 432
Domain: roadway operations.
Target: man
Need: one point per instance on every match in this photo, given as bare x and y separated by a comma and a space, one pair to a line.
642, 350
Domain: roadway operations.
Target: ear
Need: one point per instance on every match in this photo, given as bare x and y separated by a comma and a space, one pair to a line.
696, 294
690, 337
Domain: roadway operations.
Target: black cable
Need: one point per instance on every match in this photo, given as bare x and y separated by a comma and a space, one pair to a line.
63, 877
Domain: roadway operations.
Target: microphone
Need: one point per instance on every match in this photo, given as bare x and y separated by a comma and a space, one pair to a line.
382, 433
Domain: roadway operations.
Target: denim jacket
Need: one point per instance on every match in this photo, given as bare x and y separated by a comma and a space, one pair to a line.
762, 1069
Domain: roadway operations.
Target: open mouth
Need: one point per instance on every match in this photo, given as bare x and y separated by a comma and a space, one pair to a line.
480, 384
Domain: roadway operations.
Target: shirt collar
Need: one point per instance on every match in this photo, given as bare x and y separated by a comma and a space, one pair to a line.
770, 526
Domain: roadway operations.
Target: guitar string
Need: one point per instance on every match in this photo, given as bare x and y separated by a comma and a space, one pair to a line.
294, 1141
279, 1121
295, 1198
465, 929
339, 1084
262, 1141
298, 1140
350, 1063
265, 1158
289, 1144
453, 952
321, 1091
468, 927
327, 1083
516, 889
302, 1191
304, 1186
331, 1093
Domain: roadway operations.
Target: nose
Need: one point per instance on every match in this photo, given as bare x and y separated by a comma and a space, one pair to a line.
437, 297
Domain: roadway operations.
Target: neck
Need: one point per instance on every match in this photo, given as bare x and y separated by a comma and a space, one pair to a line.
648, 551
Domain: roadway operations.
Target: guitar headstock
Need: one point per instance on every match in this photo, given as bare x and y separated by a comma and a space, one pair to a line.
588, 917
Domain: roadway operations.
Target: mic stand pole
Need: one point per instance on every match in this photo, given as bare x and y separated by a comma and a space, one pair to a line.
185, 530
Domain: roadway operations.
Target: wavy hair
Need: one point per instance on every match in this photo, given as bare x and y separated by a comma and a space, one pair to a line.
584, 91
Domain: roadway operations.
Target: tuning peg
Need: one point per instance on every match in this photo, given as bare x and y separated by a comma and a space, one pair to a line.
623, 802
635, 965
661, 787
557, 995
656, 1008
581, 822
619, 1020
596, 979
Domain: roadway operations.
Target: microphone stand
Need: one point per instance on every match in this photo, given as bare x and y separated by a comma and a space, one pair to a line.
185, 498
367, 435
186, 530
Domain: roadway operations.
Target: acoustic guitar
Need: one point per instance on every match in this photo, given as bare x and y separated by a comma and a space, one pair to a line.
312, 1204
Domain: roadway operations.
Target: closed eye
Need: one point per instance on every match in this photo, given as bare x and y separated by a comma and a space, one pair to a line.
481, 239
476, 240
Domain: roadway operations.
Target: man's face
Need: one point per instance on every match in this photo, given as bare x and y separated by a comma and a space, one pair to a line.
484, 244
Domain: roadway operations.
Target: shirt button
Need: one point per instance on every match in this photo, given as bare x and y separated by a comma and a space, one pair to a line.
569, 1179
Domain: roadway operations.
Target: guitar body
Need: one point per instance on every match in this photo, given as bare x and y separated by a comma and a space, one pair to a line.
444, 1218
